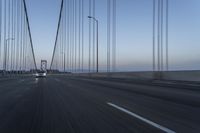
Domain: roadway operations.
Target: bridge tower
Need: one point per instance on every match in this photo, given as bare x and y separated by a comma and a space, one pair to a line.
43, 65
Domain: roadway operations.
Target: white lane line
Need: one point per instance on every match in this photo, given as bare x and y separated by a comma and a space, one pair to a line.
142, 119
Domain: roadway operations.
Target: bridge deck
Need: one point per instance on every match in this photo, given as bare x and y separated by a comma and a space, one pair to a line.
59, 104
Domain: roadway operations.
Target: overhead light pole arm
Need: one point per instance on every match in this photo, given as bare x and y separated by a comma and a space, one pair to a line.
90, 17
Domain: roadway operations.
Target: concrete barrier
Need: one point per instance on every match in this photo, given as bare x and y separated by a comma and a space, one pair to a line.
182, 75
149, 75
14, 76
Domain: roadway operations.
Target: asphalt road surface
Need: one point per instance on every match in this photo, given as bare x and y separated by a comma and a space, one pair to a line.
63, 104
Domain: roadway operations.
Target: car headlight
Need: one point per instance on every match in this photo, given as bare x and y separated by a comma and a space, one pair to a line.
44, 74
36, 74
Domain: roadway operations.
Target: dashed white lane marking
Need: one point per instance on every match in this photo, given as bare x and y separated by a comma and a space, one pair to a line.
142, 119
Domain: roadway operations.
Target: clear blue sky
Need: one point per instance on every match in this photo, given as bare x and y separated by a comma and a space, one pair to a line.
134, 32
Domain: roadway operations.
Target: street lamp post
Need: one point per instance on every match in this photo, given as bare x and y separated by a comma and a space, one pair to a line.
90, 17
5, 52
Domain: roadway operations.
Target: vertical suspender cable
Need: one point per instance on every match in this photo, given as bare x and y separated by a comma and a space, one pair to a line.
18, 35
108, 35
61, 41
82, 35
22, 48
12, 31
21, 35
167, 36
60, 45
0, 30
154, 12
75, 35
5, 34
114, 36
72, 35
8, 42
24, 41
80, 32
63, 38
68, 35
25, 46
90, 3
79, 36
158, 39
161, 37
93, 22
65, 35
58, 50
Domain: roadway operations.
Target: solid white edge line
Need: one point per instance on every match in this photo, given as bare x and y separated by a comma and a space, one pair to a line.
142, 119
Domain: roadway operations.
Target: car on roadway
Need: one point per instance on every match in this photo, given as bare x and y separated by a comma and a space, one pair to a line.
41, 74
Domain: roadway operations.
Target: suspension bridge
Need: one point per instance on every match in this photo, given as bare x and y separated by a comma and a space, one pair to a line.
84, 91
